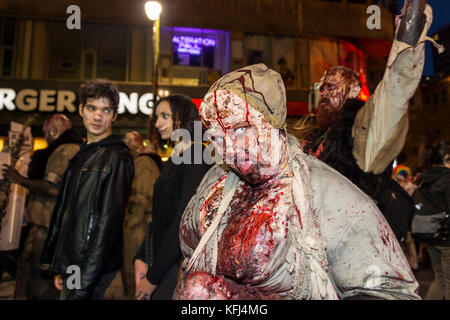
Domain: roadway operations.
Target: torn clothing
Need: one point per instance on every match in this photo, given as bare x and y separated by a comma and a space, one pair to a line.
335, 236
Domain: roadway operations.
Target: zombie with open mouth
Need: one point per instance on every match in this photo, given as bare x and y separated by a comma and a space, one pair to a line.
274, 223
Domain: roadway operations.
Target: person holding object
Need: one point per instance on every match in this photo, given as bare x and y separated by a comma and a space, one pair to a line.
44, 180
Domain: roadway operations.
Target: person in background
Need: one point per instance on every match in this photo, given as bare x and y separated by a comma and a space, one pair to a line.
174, 188
402, 175
86, 228
44, 180
360, 139
286, 74
436, 187
139, 209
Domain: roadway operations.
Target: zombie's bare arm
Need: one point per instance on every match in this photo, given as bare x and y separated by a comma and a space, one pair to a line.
381, 125
37, 186
56, 166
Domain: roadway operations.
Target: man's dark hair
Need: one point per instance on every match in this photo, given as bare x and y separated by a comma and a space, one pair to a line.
100, 88
184, 113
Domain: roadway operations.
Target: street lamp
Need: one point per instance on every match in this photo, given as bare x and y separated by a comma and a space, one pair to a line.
153, 10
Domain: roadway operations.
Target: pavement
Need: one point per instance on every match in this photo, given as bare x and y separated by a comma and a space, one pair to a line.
7, 286
424, 276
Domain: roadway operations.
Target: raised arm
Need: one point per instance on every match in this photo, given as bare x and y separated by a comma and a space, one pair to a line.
381, 126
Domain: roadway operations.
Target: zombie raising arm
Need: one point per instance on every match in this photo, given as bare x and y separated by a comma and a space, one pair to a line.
381, 126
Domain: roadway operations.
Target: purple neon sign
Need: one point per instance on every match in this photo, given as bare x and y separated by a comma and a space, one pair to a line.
192, 45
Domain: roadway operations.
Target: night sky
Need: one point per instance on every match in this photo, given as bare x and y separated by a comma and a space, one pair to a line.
441, 18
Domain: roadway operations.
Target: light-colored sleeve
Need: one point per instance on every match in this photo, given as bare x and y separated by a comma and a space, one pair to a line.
381, 125
58, 161
190, 234
364, 257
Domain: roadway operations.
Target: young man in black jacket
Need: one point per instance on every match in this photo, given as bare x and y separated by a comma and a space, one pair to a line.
83, 249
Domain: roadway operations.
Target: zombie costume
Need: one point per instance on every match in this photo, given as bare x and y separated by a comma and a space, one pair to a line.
366, 137
139, 211
29, 281
280, 224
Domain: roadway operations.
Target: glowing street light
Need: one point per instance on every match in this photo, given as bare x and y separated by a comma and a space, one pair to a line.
153, 10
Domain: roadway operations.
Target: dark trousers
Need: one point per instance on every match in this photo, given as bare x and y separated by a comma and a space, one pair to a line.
99, 291
166, 288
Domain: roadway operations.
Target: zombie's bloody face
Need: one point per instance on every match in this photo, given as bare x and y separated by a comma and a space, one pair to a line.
337, 85
134, 142
242, 136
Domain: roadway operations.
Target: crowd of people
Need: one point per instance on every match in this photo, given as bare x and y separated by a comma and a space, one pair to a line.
252, 213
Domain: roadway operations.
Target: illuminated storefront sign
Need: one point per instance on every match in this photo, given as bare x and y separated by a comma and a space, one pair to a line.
66, 100
192, 45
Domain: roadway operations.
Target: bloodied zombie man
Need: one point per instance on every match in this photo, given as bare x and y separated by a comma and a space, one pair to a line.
274, 223
360, 139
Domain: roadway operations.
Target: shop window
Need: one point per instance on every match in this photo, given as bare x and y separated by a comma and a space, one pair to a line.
278, 53
190, 56
193, 51
104, 51
8, 28
258, 48
65, 55
112, 52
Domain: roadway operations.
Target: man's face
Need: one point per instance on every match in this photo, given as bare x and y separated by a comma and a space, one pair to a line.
241, 135
98, 117
334, 89
52, 130
49, 133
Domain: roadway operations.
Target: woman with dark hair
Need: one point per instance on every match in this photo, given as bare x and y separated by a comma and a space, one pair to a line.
157, 261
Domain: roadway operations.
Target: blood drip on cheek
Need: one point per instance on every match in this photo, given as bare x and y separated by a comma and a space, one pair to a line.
218, 118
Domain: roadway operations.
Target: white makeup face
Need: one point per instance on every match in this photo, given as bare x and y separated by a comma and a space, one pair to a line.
98, 117
242, 136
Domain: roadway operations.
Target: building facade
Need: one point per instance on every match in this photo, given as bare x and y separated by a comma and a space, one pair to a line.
43, 62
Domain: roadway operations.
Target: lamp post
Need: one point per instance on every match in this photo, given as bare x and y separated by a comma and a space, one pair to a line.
153, 10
